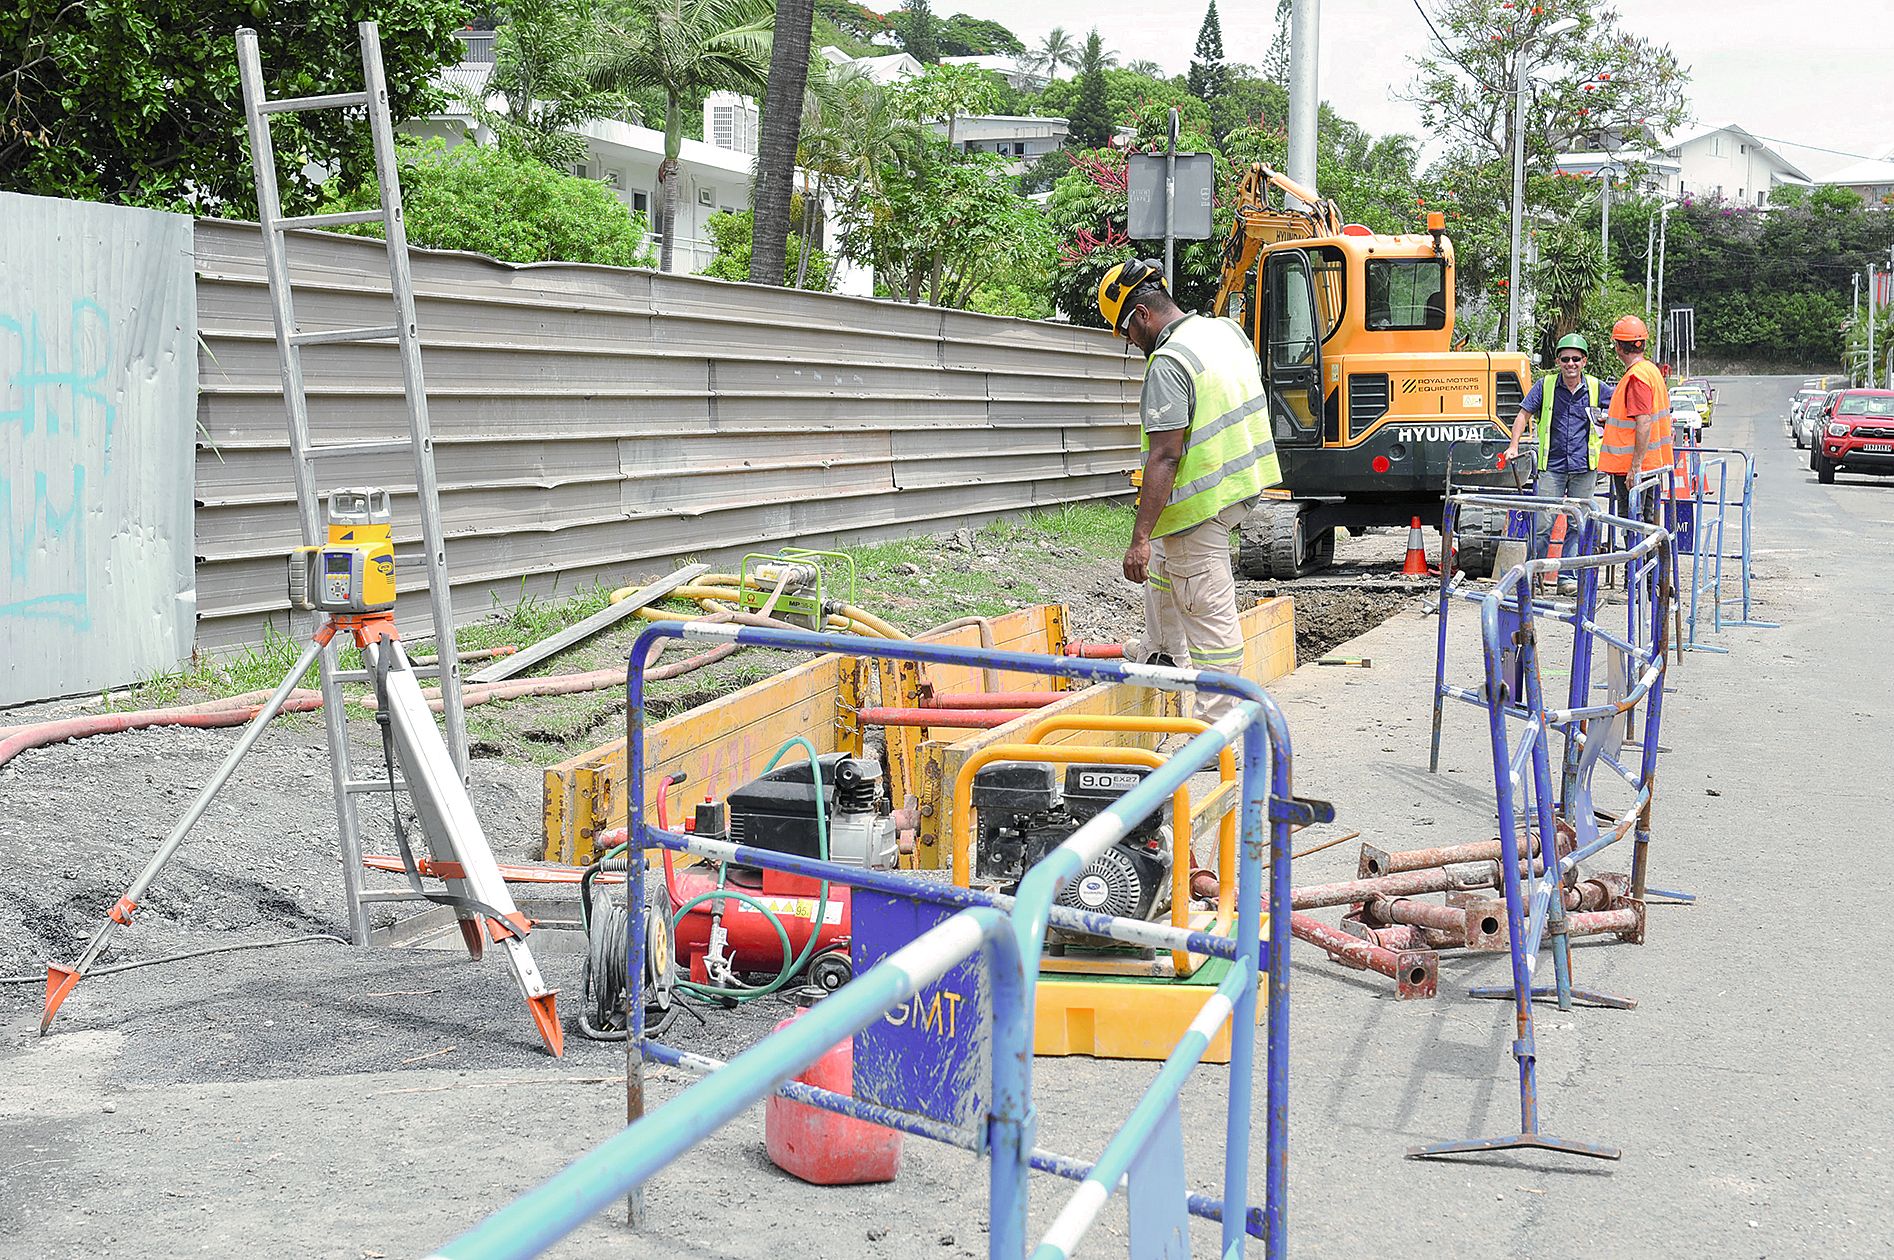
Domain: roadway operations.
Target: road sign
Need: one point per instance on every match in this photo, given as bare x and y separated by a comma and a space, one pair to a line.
1196, 174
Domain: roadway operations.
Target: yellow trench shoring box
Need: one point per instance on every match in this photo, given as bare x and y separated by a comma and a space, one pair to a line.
726, 743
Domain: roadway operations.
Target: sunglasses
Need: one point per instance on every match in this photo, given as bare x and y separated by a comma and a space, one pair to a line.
1566, 358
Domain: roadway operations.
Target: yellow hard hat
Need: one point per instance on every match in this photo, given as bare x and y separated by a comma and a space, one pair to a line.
1121, 282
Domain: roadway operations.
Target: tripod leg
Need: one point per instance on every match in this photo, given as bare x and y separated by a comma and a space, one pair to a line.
59, 979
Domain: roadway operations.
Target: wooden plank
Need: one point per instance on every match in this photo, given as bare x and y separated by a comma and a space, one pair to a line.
611, 615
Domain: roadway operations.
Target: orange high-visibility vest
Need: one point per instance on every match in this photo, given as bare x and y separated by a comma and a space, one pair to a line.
1621, 431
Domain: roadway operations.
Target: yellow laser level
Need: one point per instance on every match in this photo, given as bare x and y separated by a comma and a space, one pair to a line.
354, 571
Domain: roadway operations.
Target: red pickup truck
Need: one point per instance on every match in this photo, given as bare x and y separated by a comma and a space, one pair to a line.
1857, 435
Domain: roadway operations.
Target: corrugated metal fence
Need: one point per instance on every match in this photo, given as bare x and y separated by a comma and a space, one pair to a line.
594, 422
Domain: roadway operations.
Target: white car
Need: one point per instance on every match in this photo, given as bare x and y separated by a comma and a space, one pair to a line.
1804, 399
1695, 399
1813, 414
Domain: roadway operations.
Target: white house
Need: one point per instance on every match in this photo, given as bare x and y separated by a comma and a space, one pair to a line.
893, 68
1021, 140
1008, 68
1728, 162
1873, 178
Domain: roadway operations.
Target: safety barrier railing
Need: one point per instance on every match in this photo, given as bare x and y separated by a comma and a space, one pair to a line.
1007, 934
1537, 889
1703, 516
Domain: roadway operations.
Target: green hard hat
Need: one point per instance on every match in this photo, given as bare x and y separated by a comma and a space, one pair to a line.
1574, 341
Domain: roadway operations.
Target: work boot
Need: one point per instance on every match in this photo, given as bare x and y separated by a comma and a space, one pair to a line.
1568, 586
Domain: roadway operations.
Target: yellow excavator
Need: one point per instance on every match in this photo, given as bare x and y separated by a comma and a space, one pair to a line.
1368, 400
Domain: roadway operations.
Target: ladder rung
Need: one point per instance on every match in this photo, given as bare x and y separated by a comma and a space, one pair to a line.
329, 220
429, 670
361, 786
335, 449
297, 104
342, 334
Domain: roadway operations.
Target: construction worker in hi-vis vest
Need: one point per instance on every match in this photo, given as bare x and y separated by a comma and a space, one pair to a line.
1637, 427
1208, 455
1566, 405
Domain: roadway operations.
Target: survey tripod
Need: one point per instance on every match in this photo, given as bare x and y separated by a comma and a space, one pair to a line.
349, 582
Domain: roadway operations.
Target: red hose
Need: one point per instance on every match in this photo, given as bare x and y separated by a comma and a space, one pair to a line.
230, 711
996, 700
1095, 651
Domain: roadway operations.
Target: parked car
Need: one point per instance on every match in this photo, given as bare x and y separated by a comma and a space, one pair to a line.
1804, 397
1691, 400
1857, 435
1697, 393
1813, 415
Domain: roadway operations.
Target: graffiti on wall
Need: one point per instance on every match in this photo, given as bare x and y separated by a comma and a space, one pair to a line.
98, 386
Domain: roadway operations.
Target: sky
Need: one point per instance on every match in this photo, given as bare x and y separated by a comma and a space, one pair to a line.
1819, 74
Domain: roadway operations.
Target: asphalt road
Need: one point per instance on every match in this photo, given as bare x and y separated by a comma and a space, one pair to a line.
316, 1104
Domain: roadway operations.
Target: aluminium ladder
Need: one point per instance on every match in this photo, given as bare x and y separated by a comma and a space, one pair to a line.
305, 455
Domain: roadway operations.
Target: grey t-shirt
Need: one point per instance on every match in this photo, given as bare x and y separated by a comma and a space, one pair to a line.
1169, 398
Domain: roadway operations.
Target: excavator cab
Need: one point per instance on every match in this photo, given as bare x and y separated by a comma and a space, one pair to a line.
1289, 332
1367, 397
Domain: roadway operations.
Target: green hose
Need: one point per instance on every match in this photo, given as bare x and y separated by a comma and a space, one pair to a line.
790, 967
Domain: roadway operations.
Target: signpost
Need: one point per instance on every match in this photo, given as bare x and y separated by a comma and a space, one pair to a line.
1170, 195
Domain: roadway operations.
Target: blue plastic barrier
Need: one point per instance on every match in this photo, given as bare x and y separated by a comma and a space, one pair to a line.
1703, 514
1006, 935
1537, 872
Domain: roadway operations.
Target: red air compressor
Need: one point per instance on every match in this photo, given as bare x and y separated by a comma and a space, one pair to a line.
734, 918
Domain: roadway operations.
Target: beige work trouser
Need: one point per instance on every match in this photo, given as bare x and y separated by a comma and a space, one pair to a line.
1190, 603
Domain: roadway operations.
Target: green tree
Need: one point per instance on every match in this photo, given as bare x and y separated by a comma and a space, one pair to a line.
137, 101
955, 216
1091, 115
731, 235
505, 205
1206, 68
687, 48
779, 136
918, 30
540, 57
963, 36
1464, 81
1569, 270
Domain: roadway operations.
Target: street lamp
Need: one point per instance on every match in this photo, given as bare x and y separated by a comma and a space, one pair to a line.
1519, 169
1663, 232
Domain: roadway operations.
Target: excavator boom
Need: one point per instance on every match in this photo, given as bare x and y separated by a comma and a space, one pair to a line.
1257, 223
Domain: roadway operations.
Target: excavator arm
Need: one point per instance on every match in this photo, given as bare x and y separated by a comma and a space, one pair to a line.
1256, 224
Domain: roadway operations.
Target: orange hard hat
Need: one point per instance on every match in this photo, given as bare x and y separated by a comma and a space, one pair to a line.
1630, 328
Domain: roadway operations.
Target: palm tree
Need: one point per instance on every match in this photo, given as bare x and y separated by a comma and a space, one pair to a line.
1055, 51
776, 144
1145, 69
686, 48
859, 132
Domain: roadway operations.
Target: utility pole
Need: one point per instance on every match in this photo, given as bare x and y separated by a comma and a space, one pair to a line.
1170, 200
1524, 62
1519, 200
1604, 216
1650, 252
1870, 324
1857, 298
1663, 232
1305, 101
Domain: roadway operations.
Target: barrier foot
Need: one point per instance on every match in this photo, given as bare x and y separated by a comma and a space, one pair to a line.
1762, 625
1591, 997
1517, 1142
1704, 647
1671, 895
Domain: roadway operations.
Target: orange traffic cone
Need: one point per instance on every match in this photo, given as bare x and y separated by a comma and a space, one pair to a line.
1416, 563
1557, 547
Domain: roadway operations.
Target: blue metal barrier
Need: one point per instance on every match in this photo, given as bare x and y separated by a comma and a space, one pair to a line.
1007, 934
1537, 874
1703, 535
